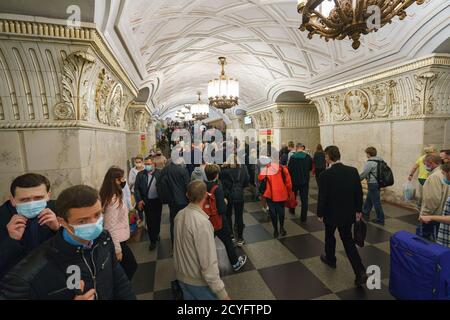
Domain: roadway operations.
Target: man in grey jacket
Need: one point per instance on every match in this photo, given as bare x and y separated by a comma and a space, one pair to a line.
195, 256
373, 194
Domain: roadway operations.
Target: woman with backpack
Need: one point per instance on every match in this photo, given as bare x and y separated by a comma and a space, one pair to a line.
276, 183
116, 218
235, 178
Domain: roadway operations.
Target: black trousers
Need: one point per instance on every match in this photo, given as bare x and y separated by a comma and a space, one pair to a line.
277, 213
153, 211
238, 207
318, 172
224, 235
173, 210
304, 194
349, 245
128, 262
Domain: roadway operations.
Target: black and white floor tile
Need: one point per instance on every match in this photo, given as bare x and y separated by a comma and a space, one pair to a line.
287, 268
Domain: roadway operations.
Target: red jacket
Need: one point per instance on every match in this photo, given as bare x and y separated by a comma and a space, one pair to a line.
277, 190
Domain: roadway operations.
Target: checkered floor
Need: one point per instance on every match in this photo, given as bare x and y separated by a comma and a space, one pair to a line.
288, 268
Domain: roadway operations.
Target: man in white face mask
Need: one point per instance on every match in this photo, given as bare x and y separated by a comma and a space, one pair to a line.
26, 220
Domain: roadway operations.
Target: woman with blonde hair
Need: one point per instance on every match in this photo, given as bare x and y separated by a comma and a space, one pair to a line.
420, 165
423, 171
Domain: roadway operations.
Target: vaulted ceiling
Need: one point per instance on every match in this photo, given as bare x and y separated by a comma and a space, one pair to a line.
179, 41
171, 46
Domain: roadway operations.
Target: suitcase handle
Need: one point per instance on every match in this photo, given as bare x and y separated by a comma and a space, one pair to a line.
422, 240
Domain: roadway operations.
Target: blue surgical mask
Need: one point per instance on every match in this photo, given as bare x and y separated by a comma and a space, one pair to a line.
149, 168
446, 181
89, 232
32, 209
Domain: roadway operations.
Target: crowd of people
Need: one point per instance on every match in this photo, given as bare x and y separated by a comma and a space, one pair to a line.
76, 247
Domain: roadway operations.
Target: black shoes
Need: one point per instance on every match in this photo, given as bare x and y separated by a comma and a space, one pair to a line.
152, 246
283, 232
324, 259
361, 280
276, 234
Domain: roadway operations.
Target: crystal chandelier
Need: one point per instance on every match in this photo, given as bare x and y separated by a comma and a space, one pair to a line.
180, 115
185, 110
338, 19
200, 111
223, 93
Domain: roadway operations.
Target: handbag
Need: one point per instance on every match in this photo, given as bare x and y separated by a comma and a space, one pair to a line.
359, 233
292, 202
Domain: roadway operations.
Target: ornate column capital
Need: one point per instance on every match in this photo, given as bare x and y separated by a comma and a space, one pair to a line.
74, 95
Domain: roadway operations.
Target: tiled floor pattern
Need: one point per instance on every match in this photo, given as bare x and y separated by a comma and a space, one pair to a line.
286, 268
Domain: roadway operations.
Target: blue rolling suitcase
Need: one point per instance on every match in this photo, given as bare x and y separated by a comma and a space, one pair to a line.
420, 269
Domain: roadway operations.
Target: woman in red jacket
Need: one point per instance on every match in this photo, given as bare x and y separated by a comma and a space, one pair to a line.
278, 190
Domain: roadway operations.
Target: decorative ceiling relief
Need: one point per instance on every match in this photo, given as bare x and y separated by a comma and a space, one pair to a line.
109, 100
413, 90
75, 87
175, 40
382, 98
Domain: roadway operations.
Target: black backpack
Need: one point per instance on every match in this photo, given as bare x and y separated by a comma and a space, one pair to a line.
385, 177
163, 188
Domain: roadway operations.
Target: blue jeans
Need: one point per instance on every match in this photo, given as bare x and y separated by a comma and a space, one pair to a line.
373, 200
196, 293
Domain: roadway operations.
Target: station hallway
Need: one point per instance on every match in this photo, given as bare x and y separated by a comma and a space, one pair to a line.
288, 268
125, 101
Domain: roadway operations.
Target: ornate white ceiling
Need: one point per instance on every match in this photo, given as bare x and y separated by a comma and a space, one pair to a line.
175, 45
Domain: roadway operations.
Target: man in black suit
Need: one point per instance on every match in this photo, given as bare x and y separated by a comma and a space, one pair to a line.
339, 205
147, 200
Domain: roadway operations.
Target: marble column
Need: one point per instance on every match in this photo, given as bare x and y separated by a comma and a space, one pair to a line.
62, 105
298, 122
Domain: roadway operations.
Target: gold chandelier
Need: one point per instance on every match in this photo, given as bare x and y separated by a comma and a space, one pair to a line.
200, 111
338, 19
223, 92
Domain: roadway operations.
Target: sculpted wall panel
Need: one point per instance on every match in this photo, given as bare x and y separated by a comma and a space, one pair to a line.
416, 91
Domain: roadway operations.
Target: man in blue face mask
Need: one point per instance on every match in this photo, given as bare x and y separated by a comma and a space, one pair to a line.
78, 263
147, 200
26, 220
